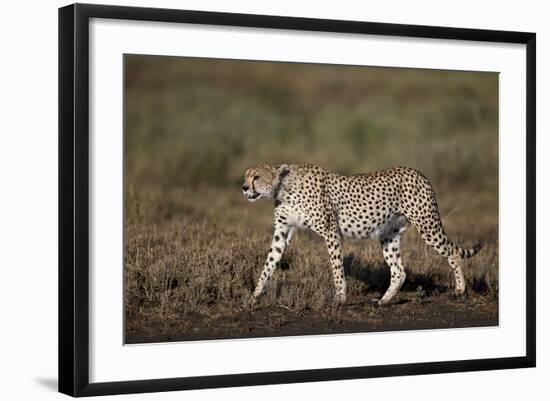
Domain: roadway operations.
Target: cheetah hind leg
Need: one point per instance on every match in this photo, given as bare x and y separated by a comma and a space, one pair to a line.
456, 266
439, 241
392, 255
332, 240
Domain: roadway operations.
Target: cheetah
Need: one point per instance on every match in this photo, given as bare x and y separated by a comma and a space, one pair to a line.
379, 205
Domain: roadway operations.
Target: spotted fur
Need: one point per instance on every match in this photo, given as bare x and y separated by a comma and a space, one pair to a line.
379, 205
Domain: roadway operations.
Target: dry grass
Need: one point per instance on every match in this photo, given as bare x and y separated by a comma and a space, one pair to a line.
195, 246
201, 256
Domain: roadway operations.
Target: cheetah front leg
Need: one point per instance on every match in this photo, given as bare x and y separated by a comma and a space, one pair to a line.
281, 238
337, 264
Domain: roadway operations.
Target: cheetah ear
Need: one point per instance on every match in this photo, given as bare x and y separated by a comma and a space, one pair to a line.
281, 172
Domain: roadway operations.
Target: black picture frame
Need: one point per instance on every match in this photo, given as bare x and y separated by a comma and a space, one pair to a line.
74, 198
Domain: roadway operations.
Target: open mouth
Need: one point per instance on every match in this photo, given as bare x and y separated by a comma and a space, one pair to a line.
253, 196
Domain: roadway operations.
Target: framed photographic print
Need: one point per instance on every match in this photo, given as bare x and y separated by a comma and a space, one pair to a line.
251, 199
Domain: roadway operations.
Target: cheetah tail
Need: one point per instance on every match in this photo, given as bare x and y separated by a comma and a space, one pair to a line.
468, 253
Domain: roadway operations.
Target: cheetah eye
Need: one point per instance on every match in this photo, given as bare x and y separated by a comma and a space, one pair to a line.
255, 178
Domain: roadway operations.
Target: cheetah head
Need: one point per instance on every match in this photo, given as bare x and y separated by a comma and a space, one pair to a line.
262, 181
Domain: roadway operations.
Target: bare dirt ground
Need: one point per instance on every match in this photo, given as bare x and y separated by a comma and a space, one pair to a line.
410, 312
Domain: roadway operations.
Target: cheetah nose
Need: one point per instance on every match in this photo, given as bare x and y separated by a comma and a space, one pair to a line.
245, 188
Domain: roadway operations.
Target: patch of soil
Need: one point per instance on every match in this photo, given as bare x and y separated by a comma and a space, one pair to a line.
409, 312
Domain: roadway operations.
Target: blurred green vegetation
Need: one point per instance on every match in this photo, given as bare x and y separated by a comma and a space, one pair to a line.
195, 122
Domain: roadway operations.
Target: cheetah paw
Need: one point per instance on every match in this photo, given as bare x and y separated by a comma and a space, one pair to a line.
251, 301
455, 295
379, 302
340, 301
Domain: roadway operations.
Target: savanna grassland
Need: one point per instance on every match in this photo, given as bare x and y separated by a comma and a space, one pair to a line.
194, 246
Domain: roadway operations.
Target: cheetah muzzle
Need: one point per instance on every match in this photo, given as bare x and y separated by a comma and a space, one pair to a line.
379, 205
